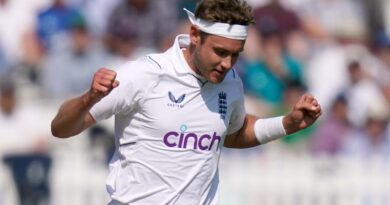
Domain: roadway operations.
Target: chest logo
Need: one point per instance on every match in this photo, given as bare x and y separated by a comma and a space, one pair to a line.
191, 140
175, 101
222, 104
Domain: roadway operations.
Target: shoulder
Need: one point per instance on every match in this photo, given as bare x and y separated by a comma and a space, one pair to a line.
161, 60
233, 84
232, 77
142, 70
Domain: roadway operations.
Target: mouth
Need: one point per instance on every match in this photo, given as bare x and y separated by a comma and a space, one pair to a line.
220, 72
219, 75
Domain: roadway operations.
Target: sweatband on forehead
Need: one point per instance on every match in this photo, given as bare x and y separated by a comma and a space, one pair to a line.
232, 31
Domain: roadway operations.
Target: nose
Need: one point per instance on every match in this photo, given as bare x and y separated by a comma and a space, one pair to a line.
227, 62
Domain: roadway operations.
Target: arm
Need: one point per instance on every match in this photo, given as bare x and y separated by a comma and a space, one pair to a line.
73, 116
305, 112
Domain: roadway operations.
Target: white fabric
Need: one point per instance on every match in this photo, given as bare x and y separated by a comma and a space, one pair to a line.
269, 129
232, 31
170, 127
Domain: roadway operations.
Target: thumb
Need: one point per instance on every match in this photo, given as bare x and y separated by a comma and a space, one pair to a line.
115, 84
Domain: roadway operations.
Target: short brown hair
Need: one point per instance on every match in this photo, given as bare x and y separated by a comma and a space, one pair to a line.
225, 11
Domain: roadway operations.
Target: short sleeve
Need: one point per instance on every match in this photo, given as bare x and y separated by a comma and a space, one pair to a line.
237, 117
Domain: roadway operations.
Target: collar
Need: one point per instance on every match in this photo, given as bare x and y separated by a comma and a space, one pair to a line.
181, 65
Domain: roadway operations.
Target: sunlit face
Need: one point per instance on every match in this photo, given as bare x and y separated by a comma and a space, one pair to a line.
215, 56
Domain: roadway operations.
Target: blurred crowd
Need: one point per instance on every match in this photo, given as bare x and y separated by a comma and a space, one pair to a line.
338, 50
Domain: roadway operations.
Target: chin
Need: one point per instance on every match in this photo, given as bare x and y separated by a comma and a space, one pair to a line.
215, 80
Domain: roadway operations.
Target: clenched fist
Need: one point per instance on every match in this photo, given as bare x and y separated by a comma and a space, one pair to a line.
304, 113
102, 84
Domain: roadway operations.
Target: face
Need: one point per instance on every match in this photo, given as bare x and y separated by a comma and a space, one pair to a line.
80, 40
215, 56
7, 102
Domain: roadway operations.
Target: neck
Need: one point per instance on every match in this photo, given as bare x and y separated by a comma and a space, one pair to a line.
189, 57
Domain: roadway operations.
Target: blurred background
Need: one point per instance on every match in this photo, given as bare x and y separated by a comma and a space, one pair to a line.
338, 50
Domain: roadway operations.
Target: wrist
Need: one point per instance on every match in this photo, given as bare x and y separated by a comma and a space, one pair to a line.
289, 124
269, 129
89, 99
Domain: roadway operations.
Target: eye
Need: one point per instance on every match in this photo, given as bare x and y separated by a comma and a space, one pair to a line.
221, 52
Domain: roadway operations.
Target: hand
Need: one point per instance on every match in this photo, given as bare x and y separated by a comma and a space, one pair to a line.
102, 84
305, 112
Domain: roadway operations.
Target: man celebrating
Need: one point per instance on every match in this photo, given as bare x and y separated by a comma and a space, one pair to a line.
174, 110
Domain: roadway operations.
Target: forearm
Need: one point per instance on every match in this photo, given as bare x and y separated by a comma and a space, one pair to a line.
260, 131
73, 117
245, 137
256, 131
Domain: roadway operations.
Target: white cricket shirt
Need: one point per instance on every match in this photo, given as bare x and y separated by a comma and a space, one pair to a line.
170, 125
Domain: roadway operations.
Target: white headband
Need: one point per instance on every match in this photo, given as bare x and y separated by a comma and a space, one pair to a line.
232, 31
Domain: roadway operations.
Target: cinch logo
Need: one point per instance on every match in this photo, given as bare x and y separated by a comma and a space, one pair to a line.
181, 140
175, 102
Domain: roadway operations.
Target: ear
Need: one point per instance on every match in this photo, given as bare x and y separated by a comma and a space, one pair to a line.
194, 35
